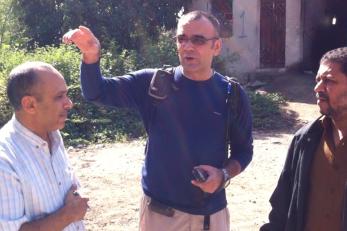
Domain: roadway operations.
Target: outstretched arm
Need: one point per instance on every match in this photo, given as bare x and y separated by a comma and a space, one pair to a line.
119, 91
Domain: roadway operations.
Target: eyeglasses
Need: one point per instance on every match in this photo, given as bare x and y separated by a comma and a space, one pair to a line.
198, 40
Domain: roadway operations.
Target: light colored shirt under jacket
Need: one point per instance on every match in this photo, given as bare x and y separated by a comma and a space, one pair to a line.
33, 181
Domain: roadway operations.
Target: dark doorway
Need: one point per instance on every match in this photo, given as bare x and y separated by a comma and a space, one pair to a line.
330, 32
272, 33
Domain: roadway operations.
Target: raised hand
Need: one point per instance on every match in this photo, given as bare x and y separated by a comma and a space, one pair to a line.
85, 40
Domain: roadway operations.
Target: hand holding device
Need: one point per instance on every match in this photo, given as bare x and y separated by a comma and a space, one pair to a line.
199, 175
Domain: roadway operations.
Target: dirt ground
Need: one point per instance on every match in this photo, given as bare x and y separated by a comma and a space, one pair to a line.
110, 174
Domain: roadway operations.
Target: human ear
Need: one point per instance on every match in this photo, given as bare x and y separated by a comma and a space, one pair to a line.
29, 104
217, 46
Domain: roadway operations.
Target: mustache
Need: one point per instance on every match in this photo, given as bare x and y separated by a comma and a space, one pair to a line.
322, 95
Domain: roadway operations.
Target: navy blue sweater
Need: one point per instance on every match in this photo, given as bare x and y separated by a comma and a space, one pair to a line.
185, 130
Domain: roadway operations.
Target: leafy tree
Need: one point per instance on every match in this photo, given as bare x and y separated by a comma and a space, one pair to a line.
89, 123
10, 33
41, 20
5, 11
127, 23
106, 124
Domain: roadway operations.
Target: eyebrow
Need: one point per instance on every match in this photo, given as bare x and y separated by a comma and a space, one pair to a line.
324, 75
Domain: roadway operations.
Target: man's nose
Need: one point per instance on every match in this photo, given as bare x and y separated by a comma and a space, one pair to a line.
68, 104
319, 86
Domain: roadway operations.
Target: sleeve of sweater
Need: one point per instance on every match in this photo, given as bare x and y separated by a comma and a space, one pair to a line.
120, 91
241, 132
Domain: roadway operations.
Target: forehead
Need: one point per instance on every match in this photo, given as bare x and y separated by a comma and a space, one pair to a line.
201, 26
51, 80
329, 68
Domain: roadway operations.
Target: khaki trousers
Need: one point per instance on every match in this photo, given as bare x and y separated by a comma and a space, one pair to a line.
152, 221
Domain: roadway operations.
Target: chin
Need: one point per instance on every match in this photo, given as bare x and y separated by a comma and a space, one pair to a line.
190, 65
60, 126
326, 111
324, 108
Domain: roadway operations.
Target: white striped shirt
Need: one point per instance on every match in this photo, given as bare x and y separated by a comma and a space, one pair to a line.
33, 181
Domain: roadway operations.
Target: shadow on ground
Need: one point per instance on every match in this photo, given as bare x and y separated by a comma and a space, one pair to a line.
297, 89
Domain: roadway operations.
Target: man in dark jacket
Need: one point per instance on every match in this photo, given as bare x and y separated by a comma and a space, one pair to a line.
310, 194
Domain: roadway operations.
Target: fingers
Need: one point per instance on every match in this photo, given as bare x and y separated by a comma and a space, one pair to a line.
213, 181
72, 193
76, 208
83, 203
84, 29
75, 199
67, 37
86, 42
202, 185
75, 193
72, 35
86, 200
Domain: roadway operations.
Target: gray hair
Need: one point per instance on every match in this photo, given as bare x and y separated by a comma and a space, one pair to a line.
22, 81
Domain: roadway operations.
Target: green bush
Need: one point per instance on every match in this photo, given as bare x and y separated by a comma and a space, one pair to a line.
88, 123
161, 52
9, 58
266, 110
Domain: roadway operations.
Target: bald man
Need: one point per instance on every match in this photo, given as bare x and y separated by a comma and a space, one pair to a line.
37, 185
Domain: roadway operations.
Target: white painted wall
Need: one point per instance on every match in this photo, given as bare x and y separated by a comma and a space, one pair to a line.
245, 39
294, 33
204, 5
246, 34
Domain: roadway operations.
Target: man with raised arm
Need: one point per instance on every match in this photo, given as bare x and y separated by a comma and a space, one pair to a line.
186, 128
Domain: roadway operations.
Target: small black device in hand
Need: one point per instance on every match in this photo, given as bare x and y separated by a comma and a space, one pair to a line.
199, 175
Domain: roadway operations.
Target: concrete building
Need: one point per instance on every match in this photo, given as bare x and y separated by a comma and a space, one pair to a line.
278, 34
